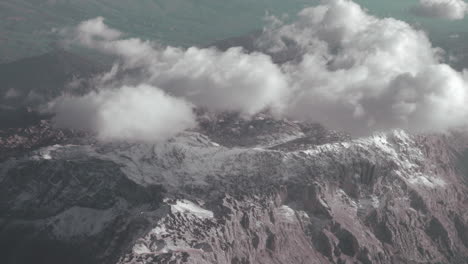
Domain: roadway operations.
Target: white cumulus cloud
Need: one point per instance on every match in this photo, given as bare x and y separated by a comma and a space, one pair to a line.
360, 73
348, 70
445, 9
231, 80
141, 113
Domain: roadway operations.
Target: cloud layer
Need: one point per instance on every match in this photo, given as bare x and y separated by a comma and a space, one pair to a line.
348, 70
445, 9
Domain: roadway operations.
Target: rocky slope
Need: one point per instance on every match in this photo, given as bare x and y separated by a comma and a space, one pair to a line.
236, 191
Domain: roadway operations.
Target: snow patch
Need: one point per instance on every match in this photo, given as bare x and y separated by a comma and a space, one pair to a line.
287, 213
427, 181
47, 152
159, 230
187, 207
381, 142
141, 249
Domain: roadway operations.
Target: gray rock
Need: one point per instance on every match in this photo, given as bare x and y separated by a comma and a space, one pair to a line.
239, 191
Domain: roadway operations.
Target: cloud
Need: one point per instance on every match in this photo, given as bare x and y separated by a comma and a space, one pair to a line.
93, 30
221, 81
445, 9
347, 70
141, 113
360, 73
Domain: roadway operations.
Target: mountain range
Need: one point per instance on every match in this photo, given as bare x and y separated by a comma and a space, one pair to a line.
232, 190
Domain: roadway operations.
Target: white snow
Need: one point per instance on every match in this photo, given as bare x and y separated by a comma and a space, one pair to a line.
140, 248
381, 142
287, 213
159, 230
45, 153
425, 180
187, 207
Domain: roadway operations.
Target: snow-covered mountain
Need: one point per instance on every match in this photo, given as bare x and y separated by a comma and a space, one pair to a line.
234, 191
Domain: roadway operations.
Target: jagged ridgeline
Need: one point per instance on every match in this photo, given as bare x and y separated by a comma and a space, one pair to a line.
230, 190
265, 191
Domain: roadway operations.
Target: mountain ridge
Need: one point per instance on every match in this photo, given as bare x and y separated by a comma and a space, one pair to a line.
389, 198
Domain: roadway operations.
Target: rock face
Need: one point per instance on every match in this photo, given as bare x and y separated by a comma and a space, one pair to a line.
18, 140
238, 192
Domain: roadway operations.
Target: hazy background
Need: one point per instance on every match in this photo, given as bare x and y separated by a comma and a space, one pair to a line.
27, 26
